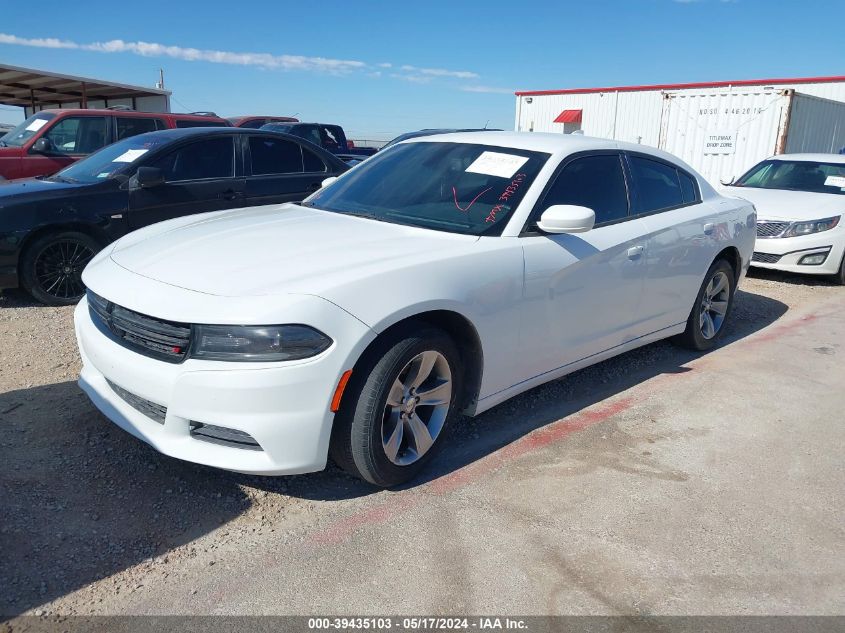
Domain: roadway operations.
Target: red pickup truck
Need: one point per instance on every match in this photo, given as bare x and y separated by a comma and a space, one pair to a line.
52, 139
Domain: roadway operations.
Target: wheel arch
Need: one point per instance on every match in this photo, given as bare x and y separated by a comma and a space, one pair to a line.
462, 332
92, 230
731, 255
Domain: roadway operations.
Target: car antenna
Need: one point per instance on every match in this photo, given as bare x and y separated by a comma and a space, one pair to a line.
486, 124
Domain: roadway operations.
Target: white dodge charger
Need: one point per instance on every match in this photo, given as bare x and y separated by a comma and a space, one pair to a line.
444, 275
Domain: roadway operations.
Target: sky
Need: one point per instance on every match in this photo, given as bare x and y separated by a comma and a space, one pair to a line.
383, 68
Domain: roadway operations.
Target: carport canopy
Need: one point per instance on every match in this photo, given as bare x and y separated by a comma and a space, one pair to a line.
569, 116
38, 89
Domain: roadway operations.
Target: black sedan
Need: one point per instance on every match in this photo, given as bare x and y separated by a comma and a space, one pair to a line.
51, 227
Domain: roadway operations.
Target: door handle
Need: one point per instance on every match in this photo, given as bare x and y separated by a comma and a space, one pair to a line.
635, 252
314, 186
709, 228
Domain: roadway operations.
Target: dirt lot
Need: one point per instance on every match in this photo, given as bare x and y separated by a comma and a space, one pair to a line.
659, 482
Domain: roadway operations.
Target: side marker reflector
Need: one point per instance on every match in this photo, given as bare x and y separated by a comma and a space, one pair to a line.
338, 392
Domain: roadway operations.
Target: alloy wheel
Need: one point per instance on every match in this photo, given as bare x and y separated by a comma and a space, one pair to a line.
59, 266
416, 408
714, 305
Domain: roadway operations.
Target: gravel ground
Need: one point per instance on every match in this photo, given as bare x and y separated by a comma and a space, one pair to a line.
91, 514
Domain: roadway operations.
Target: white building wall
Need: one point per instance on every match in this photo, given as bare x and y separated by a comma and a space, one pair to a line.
753, 113
632, 115
815, 125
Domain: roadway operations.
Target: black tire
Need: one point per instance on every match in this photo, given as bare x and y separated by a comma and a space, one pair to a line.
358, 435
693, 336
51, 267
839, 278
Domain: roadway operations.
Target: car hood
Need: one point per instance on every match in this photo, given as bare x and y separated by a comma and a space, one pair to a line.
783, 204
33, 186
276, 249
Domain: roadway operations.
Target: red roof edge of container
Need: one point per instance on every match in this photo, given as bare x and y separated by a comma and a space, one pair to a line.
712, 84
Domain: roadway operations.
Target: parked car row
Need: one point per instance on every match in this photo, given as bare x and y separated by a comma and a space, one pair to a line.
312, 310
52, 139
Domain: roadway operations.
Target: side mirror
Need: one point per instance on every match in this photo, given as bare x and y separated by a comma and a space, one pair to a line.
42, 146
148, 177
567, 218
328, 181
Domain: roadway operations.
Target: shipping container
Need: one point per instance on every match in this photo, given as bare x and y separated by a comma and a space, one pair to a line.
748, 120
723, 134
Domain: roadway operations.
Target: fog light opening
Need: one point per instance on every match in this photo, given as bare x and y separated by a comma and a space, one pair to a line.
813, 260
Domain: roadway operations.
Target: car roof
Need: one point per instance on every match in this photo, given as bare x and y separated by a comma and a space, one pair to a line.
557, 144
183, 132
120, 112
813, 158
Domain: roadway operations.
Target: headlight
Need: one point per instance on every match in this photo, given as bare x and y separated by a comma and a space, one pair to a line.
815, 226
257, 342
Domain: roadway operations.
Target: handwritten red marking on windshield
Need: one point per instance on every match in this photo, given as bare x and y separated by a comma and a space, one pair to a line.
472, 202
506, 194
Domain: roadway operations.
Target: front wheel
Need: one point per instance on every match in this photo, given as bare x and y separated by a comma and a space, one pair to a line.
839, 278
706, 322
51, 267
394, 414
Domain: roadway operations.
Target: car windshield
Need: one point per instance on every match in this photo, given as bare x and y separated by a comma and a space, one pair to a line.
456, 187
796, 175
111, 160
27, 129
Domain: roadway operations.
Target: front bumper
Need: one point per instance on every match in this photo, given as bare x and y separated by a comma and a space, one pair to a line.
283, 406
785, 253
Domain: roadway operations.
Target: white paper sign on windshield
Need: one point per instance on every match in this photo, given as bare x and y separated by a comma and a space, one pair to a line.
36, 125
129, 155
835, 181
497, 164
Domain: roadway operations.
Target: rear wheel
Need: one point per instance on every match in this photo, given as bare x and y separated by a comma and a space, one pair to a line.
397, 406
713, 303
51, 267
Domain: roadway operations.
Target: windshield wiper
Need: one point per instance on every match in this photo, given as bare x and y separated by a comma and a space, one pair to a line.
59, 178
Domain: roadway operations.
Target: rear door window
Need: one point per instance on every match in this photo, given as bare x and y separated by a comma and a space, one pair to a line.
689, 190
77, 134
274, 156
595, 182
312, 162
201, 160
127, 126
657, 185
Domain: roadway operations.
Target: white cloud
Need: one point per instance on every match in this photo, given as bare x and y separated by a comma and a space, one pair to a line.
261, 60
441, 72
488, 89
417, 79
152, 49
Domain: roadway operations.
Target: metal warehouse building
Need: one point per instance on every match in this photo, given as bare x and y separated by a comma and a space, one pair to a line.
36, 90
720, 128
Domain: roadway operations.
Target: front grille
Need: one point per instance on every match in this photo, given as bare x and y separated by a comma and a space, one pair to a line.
765, 258
165, 340
224, 436
771, 229
154, 411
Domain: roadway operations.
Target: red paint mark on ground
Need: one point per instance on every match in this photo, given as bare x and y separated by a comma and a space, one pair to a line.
401, 502
779, 331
